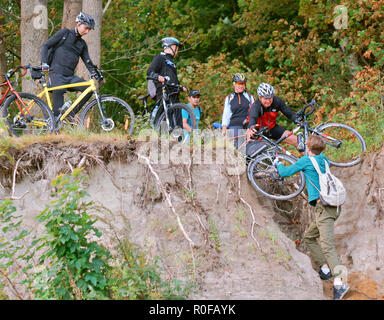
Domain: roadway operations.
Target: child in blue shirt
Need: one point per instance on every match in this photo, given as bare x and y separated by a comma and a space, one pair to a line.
193, 102
323, 253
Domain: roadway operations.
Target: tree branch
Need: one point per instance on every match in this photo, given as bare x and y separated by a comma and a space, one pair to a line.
106, 6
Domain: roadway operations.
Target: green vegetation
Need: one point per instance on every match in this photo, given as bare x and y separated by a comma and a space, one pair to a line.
67, 262
214, 234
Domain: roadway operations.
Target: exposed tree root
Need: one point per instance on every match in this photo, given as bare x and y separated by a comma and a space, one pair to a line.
191, 243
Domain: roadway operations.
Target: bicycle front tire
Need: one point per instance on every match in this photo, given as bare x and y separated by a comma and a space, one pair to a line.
345, 146
118, 112
175, 126
30, 115
265, 179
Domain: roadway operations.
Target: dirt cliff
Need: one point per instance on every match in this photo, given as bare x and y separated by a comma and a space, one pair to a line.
205, 222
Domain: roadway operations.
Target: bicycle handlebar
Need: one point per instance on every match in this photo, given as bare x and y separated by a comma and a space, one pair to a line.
261, 131
166, 83
97, 73
302, 113
11, 72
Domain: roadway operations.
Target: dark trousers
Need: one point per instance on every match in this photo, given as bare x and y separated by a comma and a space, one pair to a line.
58, 95
235, 131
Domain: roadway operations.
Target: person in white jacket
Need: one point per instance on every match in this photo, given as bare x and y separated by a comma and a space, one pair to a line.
236, 108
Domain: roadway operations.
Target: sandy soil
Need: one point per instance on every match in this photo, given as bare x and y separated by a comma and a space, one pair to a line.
207, 224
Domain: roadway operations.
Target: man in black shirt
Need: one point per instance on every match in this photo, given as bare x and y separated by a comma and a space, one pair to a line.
68, 46
163, 66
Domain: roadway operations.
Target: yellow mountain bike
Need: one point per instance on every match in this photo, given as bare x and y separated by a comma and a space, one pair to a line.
104, 113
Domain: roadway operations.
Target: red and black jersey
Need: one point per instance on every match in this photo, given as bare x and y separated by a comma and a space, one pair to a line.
267, 117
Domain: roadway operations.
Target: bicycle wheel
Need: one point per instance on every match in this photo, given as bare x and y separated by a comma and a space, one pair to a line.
265, 178
30, 115
118, 113
174, 128
345, 146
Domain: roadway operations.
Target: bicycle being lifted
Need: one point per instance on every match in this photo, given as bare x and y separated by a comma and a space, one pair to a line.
166, 117
345, 148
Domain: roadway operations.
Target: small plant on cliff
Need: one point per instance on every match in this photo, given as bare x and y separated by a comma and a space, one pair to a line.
77, 265
11, 251
138, 278
71, 264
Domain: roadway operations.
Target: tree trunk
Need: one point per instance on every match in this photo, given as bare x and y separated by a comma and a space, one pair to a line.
3, 58
71, 9
34, 32
93, 38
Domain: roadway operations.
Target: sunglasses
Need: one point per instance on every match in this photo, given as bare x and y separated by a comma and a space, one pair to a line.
240, 83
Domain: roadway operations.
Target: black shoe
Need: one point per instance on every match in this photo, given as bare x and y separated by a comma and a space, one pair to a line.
325, 276
338, 294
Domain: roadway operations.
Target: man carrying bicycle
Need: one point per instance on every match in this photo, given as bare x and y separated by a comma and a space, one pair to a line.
264, 111
67, 46
162, 66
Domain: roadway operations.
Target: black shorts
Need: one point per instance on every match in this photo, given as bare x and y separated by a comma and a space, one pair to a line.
276, 132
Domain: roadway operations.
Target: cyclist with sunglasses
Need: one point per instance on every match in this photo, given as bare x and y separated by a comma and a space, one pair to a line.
236, 108
263, 113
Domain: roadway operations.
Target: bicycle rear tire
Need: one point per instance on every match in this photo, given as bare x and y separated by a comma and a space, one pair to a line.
265, 179
118, 112
175, 128
33, 117
349, 152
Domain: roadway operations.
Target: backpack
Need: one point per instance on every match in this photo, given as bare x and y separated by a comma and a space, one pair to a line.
52, 50
151, 89
332, 191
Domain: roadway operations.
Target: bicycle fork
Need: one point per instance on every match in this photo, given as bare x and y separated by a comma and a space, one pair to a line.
107, 123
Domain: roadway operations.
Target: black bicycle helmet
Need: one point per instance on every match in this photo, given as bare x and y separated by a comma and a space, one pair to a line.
265, 90
169, 41
239, 77
86, 19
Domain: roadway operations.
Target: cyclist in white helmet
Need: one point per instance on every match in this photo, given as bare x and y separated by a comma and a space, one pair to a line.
264, 111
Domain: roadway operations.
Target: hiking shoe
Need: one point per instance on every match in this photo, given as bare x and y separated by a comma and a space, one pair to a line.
325, 276
338, 294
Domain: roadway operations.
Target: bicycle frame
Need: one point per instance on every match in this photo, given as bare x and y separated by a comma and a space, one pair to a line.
164, 101
22, 107
91, 84
307, 130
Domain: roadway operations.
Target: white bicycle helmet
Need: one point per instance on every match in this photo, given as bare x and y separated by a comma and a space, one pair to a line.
265, 90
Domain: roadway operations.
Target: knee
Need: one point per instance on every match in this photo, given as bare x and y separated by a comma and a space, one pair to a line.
308, 239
